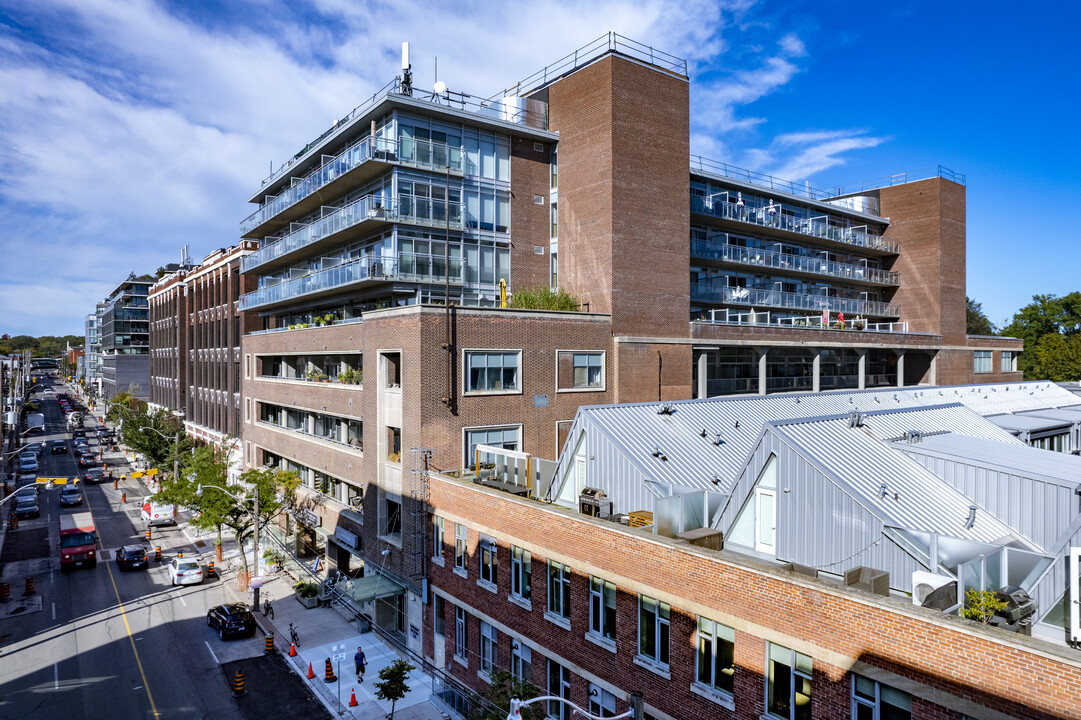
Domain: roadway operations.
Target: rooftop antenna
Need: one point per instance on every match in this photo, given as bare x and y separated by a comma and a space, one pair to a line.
407, 72
440, 87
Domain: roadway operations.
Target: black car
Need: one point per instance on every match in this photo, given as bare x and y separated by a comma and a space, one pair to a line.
26, 506
70, 495
94, 475
58, 447
132, 557
233, 619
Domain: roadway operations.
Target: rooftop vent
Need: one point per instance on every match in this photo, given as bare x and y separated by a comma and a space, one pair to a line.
914, 436
868, 579
970, 521
665, 409
882, 491
855, 419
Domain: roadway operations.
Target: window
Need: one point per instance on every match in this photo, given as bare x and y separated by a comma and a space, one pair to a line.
437, 538
653, 629
489, 560
439, 608
489, 643
521, 573
874, 701
460, 539
559, 685
588, 370
394, 444
459, 632
520, 661
1008, 361
559, 589
392, 516
602, 608
716, 655
493, 371
981, 361
601, 702
500, 437
788, 684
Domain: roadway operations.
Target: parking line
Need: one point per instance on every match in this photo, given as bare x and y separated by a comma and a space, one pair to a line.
212, 652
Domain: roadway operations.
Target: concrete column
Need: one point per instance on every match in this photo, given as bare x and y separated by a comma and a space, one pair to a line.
762, 353
863, 369
817, 371
933, 372
900, 368
703, 364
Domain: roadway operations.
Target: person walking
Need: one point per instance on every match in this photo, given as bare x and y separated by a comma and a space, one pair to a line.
360, 662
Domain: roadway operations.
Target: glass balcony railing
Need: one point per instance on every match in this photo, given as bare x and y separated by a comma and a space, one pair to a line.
413, 153
704, 292
408, 267
784, 262
780, 216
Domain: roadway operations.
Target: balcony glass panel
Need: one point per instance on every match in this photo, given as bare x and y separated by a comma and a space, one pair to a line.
792, 263
791, 218
703, 292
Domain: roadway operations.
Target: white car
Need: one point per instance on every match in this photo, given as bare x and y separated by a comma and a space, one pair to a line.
185, 572
156, 513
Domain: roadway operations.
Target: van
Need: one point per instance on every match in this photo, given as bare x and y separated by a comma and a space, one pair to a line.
158, 513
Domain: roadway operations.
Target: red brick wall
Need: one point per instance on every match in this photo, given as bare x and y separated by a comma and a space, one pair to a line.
529, 222
942, 655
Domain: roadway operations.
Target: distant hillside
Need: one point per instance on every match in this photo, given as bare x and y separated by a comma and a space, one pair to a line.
45, 346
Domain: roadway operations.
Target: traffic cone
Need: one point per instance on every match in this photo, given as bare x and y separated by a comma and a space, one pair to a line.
353, 698
329, 677
311, 673
293, 653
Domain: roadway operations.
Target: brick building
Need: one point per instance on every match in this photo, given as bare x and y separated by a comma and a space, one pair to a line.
695, 280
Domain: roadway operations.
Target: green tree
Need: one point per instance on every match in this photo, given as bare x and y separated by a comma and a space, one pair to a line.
978, 323
1045, 315
503, 687
981, 606
1057, 358
393, 686
137, 431
204, 465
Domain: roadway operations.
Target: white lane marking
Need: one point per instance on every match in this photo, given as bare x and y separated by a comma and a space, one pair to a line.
181, 599
56, 676
54, 611
211, 652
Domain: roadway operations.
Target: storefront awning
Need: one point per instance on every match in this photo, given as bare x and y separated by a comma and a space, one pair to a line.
374, 587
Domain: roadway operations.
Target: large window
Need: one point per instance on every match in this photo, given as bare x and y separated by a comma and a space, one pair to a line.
872, 700
521, 573
493, 371
489, 644
1008, 361
588, 370
653, 629
437, 538
559, 685
788, 684
489, 560
460, 638
716, 655
460, 547
981, 361
500, 437
392, 516
559, 590
520, 664
602, 608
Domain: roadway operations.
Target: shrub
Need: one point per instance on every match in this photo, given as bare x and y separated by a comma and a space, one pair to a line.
307, 589
543, 298
981, 606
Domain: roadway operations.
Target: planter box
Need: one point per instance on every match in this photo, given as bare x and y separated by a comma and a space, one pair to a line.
308, 602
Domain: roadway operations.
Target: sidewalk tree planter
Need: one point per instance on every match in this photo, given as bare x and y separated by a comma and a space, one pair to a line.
307, 594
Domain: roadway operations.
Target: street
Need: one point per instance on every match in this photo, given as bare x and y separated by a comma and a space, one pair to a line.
98, 643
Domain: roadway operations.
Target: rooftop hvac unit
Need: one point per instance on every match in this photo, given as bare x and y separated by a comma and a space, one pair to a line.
592, 502
924, 583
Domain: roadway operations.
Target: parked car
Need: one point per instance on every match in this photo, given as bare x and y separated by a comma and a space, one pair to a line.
27, 490
94, 475
158, 513
70, 495
37, 448
231, 620
58, 447
132, 557
185, 572
26, 478
26, 506
28, 464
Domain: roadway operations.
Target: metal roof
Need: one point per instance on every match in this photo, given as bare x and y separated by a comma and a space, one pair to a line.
1028, 423
1024, 460
1067, 414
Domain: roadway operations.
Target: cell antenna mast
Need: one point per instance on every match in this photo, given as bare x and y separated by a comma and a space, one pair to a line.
407, 73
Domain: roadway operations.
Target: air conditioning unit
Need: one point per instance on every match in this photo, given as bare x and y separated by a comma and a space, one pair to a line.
924, 583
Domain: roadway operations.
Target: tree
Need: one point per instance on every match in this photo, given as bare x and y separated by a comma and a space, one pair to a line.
1045, 315
503, 687
157, 446
1057, 358
981, 606
978, 323
204, 465
393, 685
275, 489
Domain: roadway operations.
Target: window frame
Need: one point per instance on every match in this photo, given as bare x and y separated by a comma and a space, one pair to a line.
562, 676
660, 637
521, 574
982, 355
438, 529
562, 591
468, 452
461, 547
876, 703
794, 676
521, 661
707, 630
488, 557
467, 374
1007, 361
602, 387
602, 616
461, 634
489, 648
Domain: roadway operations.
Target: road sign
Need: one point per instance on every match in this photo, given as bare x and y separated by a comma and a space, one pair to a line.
141, 473
56, 481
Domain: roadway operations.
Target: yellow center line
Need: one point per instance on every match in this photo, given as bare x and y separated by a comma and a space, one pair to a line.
124, 616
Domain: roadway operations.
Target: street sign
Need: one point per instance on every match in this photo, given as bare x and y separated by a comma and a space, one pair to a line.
56, 481
141, 473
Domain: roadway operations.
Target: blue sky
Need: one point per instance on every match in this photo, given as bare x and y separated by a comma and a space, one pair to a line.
131, 128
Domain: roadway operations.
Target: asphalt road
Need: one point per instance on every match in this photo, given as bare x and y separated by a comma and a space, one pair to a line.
107, 644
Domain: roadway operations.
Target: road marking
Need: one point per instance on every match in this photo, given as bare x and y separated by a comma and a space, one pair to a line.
54, 611
181, 599
211, 652
56, 677
127, 627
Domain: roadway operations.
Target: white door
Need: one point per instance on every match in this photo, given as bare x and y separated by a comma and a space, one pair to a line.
765, 516
1074, 595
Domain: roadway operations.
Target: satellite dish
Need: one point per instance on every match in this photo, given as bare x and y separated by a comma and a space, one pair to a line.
440, 87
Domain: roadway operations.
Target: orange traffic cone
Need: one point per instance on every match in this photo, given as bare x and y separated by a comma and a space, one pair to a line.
353, 698
311, 673
293, 650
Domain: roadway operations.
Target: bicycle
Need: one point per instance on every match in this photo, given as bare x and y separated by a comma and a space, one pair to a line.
293, 635
268, 609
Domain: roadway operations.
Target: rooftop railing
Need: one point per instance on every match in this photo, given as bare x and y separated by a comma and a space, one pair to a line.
705, 292
785, 262
413, 153
780, 216
726, 316
408, 267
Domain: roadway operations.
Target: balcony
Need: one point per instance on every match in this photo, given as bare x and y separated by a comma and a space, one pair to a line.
798, 221
358, 217
702, 292
795, 264
407, 267
360, 161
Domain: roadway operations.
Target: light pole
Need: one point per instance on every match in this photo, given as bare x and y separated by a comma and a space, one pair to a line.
636, 711
255, 532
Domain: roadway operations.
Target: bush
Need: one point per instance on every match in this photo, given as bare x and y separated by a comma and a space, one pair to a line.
543, 298
981, 606
307, 589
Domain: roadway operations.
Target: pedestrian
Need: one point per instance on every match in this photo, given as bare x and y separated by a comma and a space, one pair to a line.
360, 662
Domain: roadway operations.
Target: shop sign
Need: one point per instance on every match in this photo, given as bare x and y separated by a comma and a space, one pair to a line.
345, 537
307, 517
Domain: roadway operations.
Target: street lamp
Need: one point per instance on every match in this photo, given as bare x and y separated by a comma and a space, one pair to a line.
636, 711
255, 531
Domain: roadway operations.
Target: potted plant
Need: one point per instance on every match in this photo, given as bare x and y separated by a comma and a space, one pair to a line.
307, 594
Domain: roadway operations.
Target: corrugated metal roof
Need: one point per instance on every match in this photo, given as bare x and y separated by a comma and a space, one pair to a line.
1022, 459
1066, 414
914, 498
1028, 423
